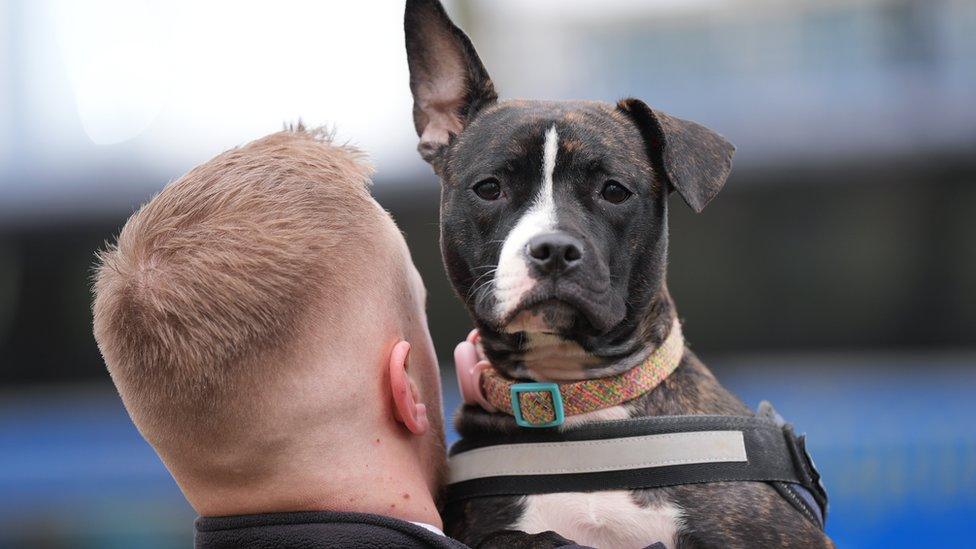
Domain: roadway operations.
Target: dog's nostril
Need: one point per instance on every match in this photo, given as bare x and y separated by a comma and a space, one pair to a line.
572, 254
540, 250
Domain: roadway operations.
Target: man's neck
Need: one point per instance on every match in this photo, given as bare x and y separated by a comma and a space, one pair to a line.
387, 486
386, 481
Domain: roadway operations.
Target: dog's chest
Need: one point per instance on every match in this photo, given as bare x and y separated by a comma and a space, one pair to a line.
601, 519
608, 519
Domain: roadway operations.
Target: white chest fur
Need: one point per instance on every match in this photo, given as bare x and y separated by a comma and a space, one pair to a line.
601, 519
605, 520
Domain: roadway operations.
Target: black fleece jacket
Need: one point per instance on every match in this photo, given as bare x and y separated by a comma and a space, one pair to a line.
314, 529
320, 529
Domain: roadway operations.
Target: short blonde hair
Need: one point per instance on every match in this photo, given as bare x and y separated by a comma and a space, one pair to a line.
217, 272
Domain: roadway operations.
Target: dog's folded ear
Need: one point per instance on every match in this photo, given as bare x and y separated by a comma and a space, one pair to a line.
695, 160
447, 79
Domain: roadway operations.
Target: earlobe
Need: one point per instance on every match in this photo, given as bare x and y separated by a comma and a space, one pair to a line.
407, 407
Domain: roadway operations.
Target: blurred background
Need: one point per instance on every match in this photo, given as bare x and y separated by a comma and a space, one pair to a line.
835, 275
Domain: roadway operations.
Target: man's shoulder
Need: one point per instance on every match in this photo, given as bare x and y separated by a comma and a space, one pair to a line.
311, 529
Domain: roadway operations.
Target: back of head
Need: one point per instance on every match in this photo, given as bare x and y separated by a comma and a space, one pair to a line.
230, 282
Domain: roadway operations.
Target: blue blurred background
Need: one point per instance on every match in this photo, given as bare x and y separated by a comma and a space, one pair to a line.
835, 275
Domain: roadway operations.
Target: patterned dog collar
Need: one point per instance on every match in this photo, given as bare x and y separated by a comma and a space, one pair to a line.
548, 404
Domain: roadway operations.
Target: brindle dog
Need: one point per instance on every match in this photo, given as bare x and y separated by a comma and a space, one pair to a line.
554, 232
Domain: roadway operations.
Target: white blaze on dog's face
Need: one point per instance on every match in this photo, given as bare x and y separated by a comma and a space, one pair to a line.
512, 281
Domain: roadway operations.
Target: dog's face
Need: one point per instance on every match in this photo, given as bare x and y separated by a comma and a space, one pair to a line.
542, 207
553, 214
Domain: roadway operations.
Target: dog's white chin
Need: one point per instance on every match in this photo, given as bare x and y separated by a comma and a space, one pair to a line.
528, 321
549, 317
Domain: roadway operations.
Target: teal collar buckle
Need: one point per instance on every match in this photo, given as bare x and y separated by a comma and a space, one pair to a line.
557, 403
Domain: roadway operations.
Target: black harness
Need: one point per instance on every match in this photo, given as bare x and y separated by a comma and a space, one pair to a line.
608, 455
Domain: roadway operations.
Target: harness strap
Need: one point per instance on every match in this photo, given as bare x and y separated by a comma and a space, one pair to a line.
647, 452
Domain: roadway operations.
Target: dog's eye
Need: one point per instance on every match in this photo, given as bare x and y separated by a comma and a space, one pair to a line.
488, 189
614, 192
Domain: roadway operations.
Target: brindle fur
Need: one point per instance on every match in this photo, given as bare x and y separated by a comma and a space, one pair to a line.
731, 514
627, 321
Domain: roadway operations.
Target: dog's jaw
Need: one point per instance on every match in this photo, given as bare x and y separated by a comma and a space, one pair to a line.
543, 356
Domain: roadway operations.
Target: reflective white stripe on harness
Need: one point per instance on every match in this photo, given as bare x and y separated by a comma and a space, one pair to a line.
592, 456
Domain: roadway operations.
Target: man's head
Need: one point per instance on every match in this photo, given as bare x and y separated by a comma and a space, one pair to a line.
265, 327
553, 213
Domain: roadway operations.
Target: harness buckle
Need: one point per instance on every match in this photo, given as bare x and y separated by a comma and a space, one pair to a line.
557, 403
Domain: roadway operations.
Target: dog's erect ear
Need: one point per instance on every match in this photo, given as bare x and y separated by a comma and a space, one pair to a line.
695, 159
448, 81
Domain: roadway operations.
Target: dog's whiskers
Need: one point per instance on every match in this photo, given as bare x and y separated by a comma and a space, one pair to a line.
475, 287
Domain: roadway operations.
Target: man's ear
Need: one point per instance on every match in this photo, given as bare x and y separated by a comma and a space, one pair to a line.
448, 81
695, 160
407, 408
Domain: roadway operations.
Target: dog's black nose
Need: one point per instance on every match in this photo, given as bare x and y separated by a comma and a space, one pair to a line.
554, 253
